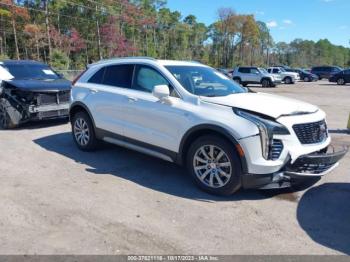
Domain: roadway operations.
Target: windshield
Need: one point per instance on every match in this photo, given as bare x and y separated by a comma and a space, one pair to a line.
263, 70
205, 81
31, 71
282, 69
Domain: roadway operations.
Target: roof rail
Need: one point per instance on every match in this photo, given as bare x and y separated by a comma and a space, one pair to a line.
120, 58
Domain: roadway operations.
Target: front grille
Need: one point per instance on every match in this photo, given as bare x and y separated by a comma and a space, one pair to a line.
276, 149
53, 98
311, 133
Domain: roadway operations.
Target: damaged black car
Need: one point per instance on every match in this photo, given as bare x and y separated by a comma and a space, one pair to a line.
31, 91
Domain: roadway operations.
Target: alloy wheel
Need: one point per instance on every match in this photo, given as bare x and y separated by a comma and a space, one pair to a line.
212, 166
81, 132
341, 81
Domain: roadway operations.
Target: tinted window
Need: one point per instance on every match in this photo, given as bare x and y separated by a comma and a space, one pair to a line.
97, 78
31, 71
118, 75
276, 71
244, 70
146, 78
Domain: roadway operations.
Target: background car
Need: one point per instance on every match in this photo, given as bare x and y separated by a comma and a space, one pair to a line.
341, 78
255, 75
226, 72
31, 90
325, 71
306, 76
287, 77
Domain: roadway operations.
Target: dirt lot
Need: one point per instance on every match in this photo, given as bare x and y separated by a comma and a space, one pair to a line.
55, 199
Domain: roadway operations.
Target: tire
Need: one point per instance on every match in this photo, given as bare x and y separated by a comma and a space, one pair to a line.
244, 84
307, 79
266, 83
288, 80
237, 80
83, 132
341, 81
219, 180
5, 120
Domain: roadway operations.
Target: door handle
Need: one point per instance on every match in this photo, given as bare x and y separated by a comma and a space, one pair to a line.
132, 99
94, 91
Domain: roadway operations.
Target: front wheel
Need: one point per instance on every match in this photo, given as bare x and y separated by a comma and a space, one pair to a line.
266, 83
83, 132
341, 81
214, 165
5, 119
288, 80
306, 79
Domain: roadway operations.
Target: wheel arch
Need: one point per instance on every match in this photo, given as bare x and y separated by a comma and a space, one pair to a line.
202, 130
80, 107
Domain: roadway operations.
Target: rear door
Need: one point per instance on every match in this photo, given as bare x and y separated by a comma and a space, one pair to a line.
106, 97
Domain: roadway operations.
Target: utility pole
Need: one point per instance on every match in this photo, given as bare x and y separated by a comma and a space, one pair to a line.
98, 35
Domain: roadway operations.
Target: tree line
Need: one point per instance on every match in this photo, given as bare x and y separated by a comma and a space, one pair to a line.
69, 34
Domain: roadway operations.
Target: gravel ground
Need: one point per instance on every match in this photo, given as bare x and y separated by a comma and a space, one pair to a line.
55, 199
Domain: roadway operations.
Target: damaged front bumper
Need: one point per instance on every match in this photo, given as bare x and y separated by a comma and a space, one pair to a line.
305, 168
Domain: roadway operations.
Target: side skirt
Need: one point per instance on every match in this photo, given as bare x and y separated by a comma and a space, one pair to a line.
136, 145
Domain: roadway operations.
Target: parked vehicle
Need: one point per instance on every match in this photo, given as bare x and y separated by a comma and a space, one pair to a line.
287, 77
227, 136
341, 78
304, 75
255, 75
325, 71
31, 90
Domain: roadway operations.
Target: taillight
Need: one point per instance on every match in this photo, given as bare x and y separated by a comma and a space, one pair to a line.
77, 78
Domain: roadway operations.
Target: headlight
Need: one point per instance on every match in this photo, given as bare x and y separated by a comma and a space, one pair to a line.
267, 128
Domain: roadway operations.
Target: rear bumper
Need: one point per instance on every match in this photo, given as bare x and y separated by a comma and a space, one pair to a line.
306, 168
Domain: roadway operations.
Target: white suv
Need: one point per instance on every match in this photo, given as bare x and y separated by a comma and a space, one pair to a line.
287, 77
193, 115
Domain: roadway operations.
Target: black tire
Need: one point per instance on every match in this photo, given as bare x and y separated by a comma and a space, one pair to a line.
237, 80
307, 79
233, 183
266, 82
340, 82
5, 120
91, 143
288, 80
244, 84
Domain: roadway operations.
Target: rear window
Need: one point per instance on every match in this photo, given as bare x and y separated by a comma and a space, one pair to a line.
97, 78
244, 70
115, 75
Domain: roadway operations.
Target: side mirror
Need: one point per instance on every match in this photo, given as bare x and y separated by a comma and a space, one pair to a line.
161, 92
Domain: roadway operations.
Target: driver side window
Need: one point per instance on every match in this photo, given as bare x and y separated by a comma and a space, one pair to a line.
146, 78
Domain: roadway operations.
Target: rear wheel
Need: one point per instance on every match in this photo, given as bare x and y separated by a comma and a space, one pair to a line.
5, 120
306, 79
341, 81
83, 132
214, 165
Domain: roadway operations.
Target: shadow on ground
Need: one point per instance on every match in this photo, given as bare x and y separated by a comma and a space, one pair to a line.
324, 214
141, 169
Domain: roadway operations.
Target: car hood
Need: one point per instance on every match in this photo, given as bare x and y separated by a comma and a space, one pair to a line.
270, 105
34, 85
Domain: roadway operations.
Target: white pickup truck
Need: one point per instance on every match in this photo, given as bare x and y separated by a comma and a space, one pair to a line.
287, 77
